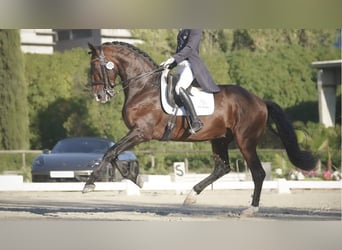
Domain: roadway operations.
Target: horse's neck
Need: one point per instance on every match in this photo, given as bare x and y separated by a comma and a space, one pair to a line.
134, 70
141, 96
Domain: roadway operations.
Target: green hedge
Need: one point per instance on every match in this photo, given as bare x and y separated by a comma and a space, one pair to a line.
14, 163
162, 162
202, 162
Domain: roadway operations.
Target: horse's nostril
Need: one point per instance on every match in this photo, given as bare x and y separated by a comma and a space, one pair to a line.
99, 96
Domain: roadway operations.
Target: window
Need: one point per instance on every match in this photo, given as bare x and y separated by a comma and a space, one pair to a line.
64, 35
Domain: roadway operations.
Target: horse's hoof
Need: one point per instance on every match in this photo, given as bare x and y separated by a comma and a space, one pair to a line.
88, 188
190, 199
140, 181
249, 212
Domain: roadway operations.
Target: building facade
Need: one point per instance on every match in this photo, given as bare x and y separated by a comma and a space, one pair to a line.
328, 78
38, 41
46, 41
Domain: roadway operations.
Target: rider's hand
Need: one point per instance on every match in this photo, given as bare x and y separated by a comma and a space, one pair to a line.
169, 63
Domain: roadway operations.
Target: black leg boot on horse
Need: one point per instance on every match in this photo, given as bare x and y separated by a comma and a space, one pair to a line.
194, 122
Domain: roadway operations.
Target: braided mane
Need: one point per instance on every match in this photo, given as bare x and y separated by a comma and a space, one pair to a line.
134, 49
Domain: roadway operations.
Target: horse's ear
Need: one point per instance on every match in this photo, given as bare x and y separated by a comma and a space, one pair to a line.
92, 49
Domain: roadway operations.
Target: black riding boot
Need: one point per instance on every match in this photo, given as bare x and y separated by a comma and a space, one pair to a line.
194, 122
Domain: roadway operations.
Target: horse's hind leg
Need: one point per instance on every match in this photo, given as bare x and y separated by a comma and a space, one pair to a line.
258, 175
220, 150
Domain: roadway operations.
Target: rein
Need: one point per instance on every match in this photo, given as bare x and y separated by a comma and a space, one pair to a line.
146, 74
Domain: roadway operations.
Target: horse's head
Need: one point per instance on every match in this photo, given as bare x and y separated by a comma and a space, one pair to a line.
103, 73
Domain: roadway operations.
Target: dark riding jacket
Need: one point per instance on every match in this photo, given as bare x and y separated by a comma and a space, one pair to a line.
188, 41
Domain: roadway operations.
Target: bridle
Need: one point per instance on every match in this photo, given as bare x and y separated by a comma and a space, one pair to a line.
106, 67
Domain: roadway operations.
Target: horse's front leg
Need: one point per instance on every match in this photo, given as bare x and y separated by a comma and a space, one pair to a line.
134, 137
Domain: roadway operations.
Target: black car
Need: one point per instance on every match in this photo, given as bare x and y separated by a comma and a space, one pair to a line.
74, 159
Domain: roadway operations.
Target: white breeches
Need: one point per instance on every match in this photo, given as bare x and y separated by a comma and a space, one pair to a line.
185, 75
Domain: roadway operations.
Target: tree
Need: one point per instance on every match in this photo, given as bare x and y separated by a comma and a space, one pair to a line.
57, 83
14, 133
275, 64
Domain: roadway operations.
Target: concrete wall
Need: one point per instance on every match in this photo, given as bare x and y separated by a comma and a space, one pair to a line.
328, 77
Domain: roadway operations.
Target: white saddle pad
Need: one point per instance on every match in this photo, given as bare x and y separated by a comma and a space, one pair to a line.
203, 101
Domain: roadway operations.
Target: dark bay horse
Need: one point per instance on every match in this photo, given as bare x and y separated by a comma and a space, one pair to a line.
239, 115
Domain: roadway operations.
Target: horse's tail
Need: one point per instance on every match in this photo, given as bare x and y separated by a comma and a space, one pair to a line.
301, 159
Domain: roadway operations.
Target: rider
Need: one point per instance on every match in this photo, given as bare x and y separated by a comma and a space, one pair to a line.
190, 67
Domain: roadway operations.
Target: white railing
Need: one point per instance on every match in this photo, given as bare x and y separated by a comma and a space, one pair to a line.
23, 154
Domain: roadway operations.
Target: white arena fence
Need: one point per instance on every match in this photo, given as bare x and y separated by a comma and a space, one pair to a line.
165, 183
180, 181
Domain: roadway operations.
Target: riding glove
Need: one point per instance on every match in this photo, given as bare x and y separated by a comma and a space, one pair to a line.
169, 63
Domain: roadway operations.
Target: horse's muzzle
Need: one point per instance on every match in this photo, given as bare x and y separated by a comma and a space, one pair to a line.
103, 95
